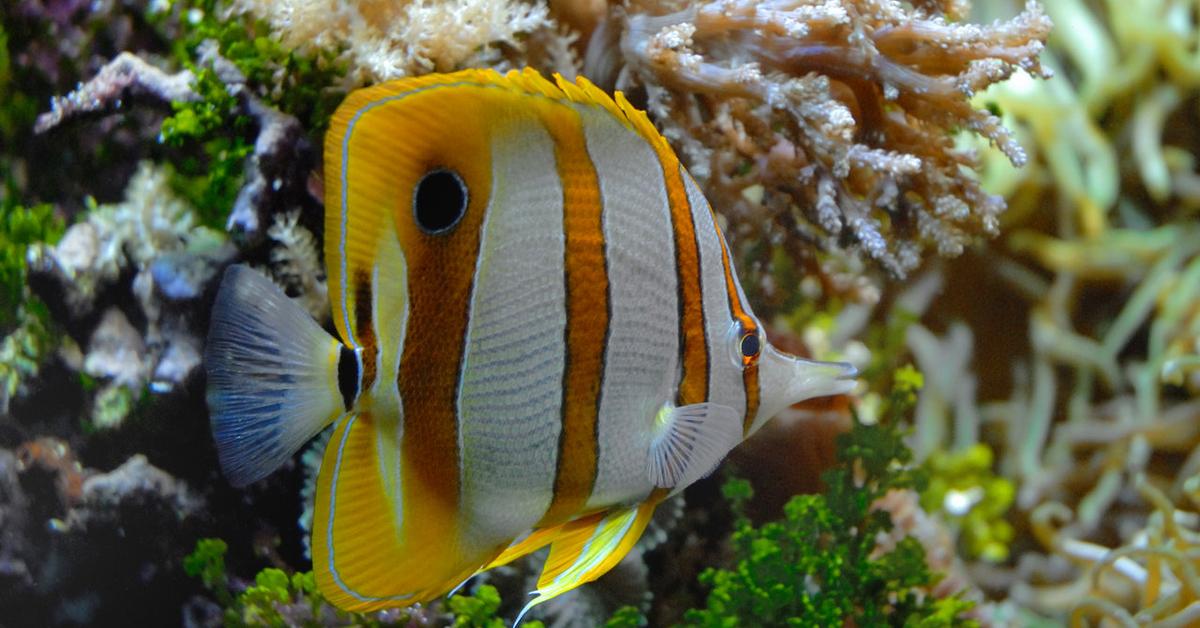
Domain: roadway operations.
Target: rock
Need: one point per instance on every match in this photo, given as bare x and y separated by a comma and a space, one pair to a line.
78, 248
14, 574
184, 275
134, 486
180, 359
116, 351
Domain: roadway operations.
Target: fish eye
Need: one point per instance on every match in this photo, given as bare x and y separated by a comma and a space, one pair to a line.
750, 345
439, 201
745, 344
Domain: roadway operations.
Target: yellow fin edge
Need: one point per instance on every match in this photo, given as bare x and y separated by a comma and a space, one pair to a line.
589, 547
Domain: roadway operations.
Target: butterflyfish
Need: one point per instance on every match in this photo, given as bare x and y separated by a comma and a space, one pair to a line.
540, 337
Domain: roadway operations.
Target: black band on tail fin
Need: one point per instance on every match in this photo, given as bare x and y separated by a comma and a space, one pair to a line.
348, 373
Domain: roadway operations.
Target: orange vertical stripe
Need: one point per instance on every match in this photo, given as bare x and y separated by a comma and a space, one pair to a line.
749, 371
586, 275
433, 354
441, 274
693, 340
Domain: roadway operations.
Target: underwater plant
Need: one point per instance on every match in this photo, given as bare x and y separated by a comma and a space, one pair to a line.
279, 599
26, 333
836, 556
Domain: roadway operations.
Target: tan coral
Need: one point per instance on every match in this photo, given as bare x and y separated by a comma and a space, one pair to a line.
845, 111
383, 39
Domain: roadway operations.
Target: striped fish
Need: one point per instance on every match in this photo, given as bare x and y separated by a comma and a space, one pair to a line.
541, 338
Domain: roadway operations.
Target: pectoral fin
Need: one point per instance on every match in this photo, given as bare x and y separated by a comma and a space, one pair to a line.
587, 548
691, 442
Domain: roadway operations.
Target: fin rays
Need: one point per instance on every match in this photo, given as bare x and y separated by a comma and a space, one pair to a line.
363, 557
589, 547
272, 376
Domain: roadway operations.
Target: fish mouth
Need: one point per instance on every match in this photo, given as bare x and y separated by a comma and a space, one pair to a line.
814, 378
805, 379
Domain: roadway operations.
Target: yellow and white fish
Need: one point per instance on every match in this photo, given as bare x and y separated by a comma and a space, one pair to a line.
542, 338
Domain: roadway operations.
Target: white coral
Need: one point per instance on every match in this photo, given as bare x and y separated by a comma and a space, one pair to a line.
150, 221
384, 40
296, 265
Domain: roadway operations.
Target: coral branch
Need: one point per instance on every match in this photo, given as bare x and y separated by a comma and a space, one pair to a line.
844, 108
125, 76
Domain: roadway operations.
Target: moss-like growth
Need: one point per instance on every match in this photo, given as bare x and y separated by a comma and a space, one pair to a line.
279, 599
210, 177
19, 109
20, 227
207, 562
479, 610
262, 603
820, 565
626, 617
215, 133
26, 333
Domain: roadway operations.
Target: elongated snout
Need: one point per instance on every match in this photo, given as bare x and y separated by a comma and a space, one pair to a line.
786, 379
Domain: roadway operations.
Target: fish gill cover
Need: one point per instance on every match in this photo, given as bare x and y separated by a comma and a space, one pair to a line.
852, 150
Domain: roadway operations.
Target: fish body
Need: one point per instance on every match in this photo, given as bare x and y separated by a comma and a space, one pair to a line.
542, 337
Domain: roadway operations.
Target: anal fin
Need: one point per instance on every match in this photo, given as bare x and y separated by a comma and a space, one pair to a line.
381, 541
691, 442
586, 548
535, 541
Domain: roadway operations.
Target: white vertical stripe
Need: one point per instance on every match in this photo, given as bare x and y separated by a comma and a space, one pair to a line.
389, 317
725, 385
641, 360
510, 393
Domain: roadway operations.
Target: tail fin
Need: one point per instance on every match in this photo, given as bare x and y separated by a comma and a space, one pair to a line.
272, 376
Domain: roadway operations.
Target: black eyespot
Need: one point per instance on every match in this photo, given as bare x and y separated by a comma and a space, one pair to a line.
348, 376
439, 201
750, 345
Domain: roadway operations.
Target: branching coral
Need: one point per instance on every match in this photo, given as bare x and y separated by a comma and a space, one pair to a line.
295, 265
828, 122
386, 40
843, 112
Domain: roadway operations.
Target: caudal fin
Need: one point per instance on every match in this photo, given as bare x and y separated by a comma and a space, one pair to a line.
272, 376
